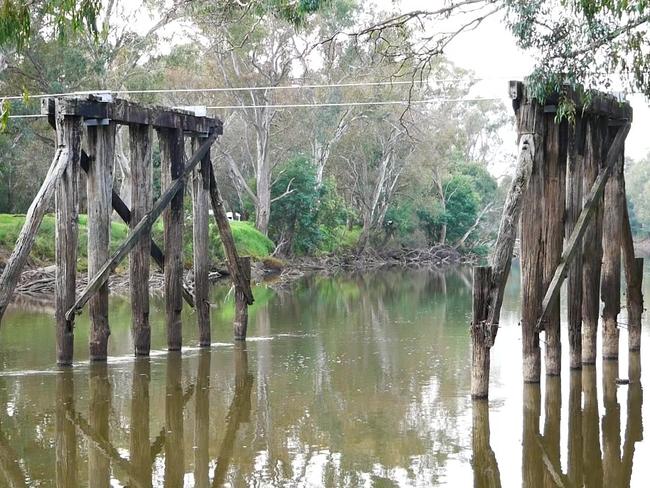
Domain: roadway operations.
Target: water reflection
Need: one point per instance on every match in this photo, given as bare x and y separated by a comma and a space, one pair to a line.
358, 380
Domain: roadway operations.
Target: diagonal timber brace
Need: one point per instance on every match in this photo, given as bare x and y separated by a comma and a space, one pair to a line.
144, 225
575, 240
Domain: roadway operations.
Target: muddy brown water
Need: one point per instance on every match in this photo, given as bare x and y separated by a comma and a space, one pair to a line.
345, 381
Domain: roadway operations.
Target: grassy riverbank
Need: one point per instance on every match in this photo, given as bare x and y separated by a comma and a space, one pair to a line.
249, 241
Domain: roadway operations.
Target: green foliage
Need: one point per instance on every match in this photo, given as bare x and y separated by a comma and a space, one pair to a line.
248, 240
69, 16
637, 186
462, 205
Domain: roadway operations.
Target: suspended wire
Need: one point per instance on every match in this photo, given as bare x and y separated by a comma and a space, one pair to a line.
320, 105
254, 88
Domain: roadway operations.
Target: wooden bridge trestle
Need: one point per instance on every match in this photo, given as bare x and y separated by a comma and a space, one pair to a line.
568, 201
101, 115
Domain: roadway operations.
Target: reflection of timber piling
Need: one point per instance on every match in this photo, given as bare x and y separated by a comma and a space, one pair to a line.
66, 433
99, 468
239, 412
592, 461
575, 465
174, 447
202, 421
140, 450
532, 467
484, 462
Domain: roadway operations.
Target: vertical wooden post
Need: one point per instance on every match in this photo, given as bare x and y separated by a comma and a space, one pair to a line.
66, 433
555, 153
172, 154
480, 379
633, 281
200, 206
140, 450
611, 269
99, 466
141, 202
202, 422
573, 208
241, 303
68, 133
101, 149
530, 121
592, 247
174, 452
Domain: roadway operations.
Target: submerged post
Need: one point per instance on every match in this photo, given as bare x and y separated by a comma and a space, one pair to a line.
633, 281
141, 202
481, 341
573, 208
172, 155
592, 247
68, 134
240, 325
531, 122
555, 154
611, 268
101, 149
200, 206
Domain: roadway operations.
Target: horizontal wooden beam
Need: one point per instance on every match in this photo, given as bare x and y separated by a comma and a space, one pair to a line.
144, 225
127, 112
575, 240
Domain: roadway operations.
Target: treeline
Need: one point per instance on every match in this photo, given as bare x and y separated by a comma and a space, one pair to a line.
340, 175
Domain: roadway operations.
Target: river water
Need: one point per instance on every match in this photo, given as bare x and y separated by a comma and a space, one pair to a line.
355, 380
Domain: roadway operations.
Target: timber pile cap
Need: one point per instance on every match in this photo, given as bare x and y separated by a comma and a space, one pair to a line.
593, 102
102, 108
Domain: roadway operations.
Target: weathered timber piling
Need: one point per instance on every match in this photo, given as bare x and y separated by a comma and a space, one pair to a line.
555, 155
611, 268
200, 207
141, 201
479, 332
67, 209
172, 154
101, 152
239, 268
573, 208
592, 249
633, 280
240, 325
530, 121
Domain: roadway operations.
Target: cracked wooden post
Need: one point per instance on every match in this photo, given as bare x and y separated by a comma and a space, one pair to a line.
592, 247
101, 151
633, 282
240, 325
141, 203
171, 155
610, 290
68, 135
530, 121
573, 208
555, 154
480, 379
200, 207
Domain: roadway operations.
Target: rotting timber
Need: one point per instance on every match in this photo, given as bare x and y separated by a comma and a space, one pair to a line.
100, 115
567, 202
